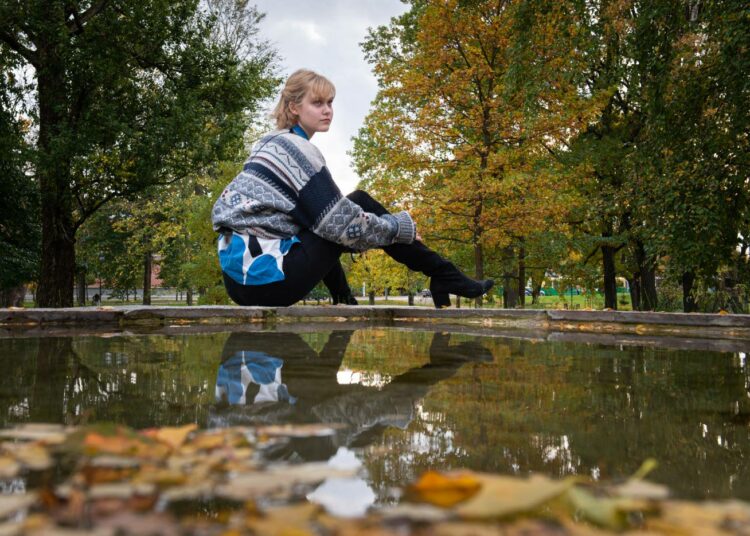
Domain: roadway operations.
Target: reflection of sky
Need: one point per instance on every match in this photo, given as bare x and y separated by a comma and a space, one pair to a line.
345, 497
347, 376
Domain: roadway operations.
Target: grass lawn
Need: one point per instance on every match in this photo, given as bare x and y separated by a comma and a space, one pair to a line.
580, 301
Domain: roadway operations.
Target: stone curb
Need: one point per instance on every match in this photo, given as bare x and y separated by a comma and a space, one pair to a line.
713, 326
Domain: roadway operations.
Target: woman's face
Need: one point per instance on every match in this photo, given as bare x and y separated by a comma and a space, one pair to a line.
314, 113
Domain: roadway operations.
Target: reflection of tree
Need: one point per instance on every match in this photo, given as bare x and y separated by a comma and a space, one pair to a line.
141, 381
566, 409
50, 384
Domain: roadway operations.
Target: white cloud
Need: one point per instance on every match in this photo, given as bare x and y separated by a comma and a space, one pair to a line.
308, 29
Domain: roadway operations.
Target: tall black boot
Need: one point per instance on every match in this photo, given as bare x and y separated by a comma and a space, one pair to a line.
445, 278
336, 283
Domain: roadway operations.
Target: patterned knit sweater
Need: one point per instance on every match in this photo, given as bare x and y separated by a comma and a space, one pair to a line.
285, 186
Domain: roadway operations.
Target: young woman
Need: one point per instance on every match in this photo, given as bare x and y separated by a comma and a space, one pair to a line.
283, 222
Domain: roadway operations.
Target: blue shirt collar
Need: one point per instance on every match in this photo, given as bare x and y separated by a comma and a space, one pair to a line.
299, 131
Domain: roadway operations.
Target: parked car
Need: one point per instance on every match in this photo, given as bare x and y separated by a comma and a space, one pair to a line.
425, 293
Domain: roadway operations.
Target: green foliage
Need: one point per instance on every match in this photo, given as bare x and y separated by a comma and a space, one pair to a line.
129, 95
19, 199
608, 134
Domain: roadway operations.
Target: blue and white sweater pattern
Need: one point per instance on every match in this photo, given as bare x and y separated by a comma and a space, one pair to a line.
285, 187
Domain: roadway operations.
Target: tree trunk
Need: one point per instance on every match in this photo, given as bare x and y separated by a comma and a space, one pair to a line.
189, 296
458, 302
478, 266
12, 296
82, 287
536, 290
647, 268
610, 283
522, 275
688, 300
372, 297
147, 265
410, 298
510, 286
635, 292
58, 266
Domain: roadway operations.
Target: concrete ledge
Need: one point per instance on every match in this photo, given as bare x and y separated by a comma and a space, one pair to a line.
713, 326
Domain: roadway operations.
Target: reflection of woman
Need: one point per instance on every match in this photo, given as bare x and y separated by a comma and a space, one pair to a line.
310, 391
244, 370
284, 223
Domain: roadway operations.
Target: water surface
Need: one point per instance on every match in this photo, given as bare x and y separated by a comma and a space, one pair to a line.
410, 400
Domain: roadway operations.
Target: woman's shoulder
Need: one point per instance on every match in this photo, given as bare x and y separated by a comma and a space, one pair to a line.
292, 144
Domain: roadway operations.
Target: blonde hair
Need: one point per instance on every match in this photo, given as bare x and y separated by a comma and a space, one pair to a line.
295, 89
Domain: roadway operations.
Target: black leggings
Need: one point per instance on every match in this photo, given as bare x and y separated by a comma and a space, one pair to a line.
312, 260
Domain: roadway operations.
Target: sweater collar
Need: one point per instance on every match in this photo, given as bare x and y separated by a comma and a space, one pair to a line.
299, 131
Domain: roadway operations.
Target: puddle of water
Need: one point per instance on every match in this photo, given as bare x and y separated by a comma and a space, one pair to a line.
407, 401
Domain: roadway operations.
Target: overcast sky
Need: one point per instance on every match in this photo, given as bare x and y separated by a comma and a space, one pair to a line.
324, 36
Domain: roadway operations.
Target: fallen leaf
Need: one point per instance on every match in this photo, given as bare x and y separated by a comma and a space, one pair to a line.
124, 490
13, 528
503, 496
102, 475
192, 492
30, 455
640, 489
9, 467
444, 490
419, 513
298, 430
122, 444
11, 504
611, 513
50, 434
175, 436
129, 523
278, 480
705, 519
161, 477
469, 529
206, 442
285, 521
358, 527
72, 512
113, 462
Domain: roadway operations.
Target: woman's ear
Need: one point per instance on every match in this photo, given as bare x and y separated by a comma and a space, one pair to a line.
293, 108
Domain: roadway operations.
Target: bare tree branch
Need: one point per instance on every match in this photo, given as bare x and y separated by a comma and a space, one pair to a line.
76, 25
29, 55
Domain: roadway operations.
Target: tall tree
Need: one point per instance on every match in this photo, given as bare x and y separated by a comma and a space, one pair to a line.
126, 93
702, 133
470, 95
19, 202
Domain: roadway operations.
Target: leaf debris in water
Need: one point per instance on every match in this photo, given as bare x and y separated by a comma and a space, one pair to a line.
181, 480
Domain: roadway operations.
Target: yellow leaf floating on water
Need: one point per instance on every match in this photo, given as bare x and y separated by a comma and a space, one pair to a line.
504, 496
9, 467
207, 441
30, 455
444, 490
122, 444
174, 436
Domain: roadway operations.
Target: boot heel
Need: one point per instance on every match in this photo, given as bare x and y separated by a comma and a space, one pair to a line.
441, 299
